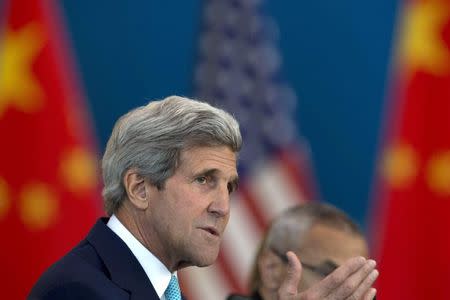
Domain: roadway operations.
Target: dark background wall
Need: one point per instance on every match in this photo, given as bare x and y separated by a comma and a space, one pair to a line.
335, 56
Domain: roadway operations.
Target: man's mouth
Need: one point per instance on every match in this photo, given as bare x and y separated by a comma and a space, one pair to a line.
211, 230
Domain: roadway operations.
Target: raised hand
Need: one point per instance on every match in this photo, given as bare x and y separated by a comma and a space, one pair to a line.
353, 281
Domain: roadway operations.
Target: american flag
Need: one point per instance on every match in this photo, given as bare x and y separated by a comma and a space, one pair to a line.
239, 70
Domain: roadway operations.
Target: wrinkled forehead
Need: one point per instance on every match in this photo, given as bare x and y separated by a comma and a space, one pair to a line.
220, 159
325, 242
287, 233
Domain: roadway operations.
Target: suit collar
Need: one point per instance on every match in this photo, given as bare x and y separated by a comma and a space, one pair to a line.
123, 267
155, 270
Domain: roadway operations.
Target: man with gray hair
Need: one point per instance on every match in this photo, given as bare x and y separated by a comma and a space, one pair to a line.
168, 170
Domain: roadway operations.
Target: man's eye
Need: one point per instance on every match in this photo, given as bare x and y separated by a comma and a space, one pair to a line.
231, 188
201, 179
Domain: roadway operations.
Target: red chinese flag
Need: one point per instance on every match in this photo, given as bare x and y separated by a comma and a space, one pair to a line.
49, 195
413, 221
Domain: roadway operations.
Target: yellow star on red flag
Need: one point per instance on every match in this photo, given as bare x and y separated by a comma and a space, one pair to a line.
421, 45
18, 85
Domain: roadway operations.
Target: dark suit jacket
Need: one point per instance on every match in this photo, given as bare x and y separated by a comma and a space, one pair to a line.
100, 267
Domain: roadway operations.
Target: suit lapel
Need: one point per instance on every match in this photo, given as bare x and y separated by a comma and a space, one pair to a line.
122, 265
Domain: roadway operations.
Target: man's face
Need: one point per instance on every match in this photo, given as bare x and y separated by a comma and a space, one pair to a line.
325, 247
186, 219
322, 247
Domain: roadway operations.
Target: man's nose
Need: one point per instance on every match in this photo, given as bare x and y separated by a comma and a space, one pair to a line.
220, 205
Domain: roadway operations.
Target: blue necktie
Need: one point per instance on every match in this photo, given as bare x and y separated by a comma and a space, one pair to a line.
173, 290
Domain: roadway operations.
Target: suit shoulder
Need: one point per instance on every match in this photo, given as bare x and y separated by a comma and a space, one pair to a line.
80, 271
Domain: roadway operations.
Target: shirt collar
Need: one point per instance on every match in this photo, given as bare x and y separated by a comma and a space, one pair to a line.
156, 271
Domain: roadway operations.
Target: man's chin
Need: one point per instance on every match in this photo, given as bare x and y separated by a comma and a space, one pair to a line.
207, 259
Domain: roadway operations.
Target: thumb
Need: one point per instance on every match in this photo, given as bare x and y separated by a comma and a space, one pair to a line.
289, 286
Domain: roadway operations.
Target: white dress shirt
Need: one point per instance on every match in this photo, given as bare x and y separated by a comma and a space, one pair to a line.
156, 271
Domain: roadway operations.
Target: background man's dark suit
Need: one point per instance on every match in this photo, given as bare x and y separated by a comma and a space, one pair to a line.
100, 267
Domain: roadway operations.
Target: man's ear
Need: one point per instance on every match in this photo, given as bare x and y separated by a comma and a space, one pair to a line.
136, 188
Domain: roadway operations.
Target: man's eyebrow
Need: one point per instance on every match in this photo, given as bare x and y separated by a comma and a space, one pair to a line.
210, 172
207, 172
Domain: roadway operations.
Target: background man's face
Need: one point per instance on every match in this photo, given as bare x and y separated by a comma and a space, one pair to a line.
188, 216
325, 246
321, 248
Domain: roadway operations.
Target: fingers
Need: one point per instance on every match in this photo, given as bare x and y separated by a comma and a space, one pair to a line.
289, 287
351, 281
331, 284
364, 287
370, 295
355, 286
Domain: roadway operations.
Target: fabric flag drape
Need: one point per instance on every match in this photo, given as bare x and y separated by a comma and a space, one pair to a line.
413, 199
49, 194
239, 69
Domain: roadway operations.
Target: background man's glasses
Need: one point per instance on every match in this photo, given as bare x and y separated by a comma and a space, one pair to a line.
323, 269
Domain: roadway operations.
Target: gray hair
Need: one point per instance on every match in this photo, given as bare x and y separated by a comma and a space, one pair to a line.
296, 221
151, 138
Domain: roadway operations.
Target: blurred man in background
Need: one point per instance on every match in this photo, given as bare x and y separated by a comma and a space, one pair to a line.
323, 238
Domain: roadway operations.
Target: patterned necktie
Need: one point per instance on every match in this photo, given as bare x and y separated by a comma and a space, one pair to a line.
173, 290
